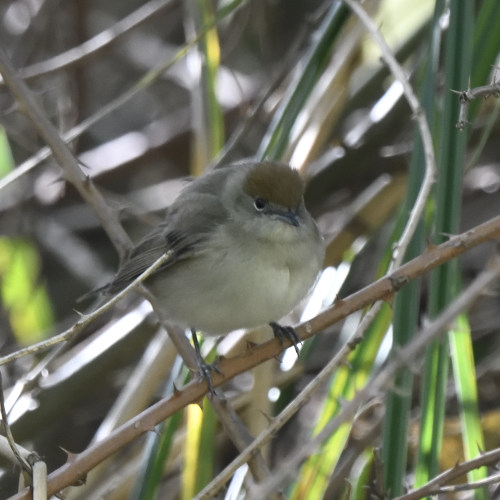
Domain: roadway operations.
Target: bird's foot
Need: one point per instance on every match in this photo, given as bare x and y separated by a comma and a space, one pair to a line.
286, 332
205, 369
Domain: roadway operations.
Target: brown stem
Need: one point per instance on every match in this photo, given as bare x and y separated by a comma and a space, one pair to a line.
383, 289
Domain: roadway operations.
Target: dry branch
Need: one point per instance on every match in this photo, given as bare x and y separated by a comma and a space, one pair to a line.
383, 289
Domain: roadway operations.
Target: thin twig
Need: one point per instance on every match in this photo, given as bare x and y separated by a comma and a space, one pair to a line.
239, 435
86, 319
68, 163
435, 485
244, 126
495, 478
466, 96
10, 438
418, 113
97, 43
144, 82
6, 450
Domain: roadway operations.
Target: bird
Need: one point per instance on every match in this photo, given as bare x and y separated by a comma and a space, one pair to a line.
243, 250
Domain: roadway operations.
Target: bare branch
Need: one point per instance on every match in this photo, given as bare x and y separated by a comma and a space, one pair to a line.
407, 354
466, 96
435, 485
382, 289
430, 160
68, 163
85, 320
98, 42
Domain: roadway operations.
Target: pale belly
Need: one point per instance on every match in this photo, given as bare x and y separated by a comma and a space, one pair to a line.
241, 292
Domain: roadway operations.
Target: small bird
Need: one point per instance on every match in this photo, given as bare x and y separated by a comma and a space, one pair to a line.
244, 250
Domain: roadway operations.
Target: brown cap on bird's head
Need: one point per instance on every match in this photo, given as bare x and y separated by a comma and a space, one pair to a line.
275, 182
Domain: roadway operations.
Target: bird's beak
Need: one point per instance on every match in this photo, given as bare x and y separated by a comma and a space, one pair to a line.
289, 217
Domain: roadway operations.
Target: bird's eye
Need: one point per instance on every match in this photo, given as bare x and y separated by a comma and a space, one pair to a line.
259, 203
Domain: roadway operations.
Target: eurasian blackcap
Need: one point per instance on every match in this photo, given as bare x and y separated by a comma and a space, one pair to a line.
244, 249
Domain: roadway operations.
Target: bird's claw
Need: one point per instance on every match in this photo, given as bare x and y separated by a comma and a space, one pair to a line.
205, 371
286, 332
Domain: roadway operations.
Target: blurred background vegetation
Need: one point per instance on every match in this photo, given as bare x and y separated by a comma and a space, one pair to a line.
147, 93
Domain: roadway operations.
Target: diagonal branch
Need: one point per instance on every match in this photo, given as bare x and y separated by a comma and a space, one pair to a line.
68, 163
434, 486
425, 134
98, 42
385, 377
383, 289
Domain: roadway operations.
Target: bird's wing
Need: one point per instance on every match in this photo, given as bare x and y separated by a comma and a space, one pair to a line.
188, 225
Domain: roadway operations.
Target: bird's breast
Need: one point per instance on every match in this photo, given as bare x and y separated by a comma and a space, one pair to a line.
227, 287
